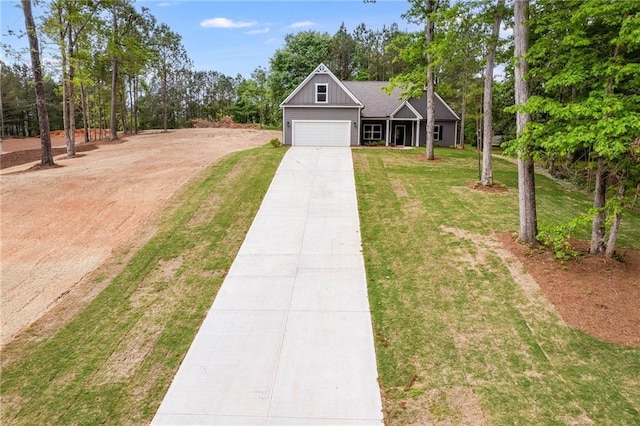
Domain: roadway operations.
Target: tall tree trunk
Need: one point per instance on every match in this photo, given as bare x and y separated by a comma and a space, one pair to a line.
84, 100
65, 83
113, 127
71, 142
164, 100
100, 113
526, 172
41, 101
123, 106
130, 87
463, 112
615, 225
599, 198
135, 105
487, 167
432, 6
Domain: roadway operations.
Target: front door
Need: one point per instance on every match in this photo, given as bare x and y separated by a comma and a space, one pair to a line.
400, 132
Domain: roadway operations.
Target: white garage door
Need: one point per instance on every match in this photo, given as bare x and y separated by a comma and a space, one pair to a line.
321, 133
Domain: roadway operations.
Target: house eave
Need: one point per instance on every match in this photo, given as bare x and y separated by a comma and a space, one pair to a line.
321, 106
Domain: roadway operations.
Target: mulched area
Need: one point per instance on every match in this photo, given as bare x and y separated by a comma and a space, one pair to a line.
496, 188
423, 158
17, 158
598, 295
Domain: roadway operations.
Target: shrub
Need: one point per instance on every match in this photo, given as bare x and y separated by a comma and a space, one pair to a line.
374, 143
557, 237
275, 142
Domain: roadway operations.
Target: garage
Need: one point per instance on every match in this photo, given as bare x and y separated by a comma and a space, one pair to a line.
321, 133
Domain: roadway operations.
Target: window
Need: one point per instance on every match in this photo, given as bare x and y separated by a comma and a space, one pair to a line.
321, 93
372, 132
437, 132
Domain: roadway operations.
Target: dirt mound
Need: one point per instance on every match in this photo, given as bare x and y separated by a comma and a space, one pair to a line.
17, 158
226, 123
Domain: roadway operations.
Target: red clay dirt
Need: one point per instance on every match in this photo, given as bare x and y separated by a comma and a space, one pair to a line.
60, 224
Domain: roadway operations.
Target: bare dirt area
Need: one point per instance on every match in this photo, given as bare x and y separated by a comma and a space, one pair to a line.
60, 224
598, 295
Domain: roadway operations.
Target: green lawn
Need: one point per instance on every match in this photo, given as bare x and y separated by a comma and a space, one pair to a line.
457, 339
114, 361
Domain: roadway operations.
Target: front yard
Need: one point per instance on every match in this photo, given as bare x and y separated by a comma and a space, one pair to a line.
463, 336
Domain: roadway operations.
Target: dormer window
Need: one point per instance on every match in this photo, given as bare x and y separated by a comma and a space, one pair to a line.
321, 93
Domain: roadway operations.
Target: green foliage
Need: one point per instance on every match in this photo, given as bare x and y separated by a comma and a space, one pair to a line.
341, 54
557, 238
375, 143
585, 75
275, 142
18, 101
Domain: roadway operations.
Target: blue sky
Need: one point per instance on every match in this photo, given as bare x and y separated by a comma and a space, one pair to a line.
237, 36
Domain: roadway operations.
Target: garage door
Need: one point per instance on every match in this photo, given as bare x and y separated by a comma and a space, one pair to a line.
321, 133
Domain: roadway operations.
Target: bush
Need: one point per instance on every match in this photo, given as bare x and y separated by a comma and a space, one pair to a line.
275, 142
557, 237
374, 143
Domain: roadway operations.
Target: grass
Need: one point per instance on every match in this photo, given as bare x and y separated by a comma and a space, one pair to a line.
458, 340
113, 362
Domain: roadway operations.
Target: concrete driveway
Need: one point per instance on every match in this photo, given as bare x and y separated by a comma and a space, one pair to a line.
288, 339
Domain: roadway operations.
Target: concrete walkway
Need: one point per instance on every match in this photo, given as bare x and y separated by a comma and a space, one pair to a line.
288, 340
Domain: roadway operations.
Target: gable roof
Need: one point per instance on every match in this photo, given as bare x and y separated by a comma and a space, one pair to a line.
411, 109
377, 104
322, 69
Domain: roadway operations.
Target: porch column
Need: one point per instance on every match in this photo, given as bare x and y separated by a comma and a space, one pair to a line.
418, 132
388, 132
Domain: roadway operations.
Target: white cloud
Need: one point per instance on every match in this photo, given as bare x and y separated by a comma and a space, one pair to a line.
302, 24
168, 3
258, 31
226, 23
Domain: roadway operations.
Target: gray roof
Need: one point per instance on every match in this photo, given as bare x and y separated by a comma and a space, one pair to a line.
377, 104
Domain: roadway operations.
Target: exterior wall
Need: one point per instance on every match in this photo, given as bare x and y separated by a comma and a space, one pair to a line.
321, 113
307, 95
448, 133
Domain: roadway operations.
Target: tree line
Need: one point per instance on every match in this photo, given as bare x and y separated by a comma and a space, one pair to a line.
121, 70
